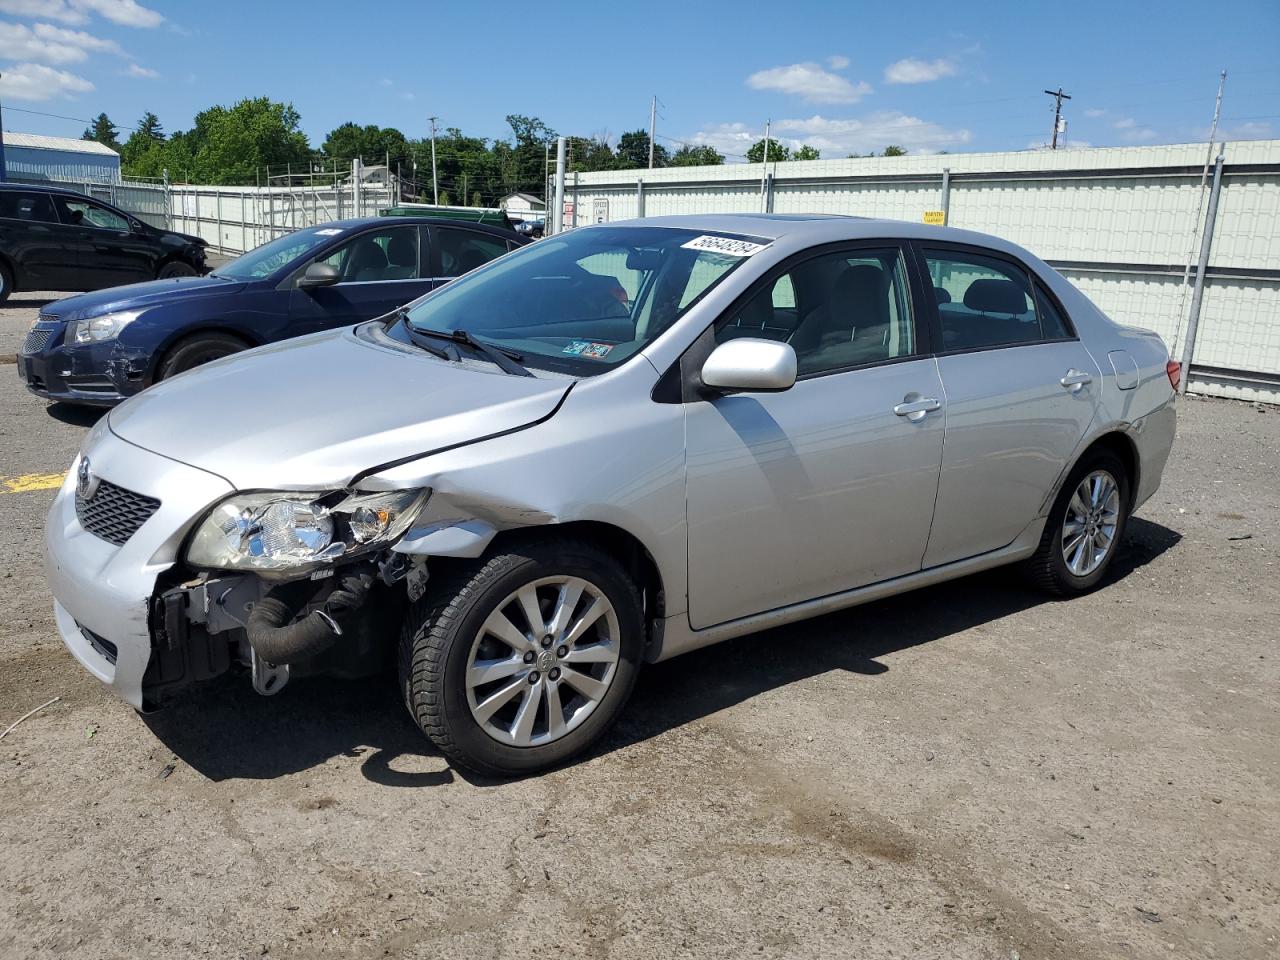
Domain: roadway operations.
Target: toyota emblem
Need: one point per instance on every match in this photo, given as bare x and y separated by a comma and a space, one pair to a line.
86, 482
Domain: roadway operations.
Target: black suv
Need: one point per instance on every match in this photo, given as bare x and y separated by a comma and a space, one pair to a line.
54, 239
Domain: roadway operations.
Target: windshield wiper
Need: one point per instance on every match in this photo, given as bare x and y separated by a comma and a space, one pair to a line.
507, 360
400, 313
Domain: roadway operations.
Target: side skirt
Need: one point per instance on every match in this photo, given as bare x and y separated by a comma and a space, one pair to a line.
678, 637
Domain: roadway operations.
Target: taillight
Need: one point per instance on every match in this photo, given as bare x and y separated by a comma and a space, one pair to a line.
1174, 369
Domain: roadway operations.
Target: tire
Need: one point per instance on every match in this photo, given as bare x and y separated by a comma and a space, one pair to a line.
197, 350
176, 268
449, 626
1049, 567
6, 282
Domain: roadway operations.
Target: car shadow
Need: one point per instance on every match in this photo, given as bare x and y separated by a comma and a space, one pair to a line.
226, 731
30, 303
75, 414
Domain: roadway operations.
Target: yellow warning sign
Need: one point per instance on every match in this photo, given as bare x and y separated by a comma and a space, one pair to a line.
936, 217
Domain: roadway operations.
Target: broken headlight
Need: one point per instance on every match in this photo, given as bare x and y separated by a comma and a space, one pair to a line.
296, 531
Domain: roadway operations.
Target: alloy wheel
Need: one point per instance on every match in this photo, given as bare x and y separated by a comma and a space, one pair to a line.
543, 661
1090, 524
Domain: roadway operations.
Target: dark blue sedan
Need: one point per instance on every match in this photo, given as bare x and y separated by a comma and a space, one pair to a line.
102, 347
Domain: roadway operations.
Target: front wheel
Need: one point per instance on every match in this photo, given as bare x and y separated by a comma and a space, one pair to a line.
176, 268
1084, 528
196, 351
519, 662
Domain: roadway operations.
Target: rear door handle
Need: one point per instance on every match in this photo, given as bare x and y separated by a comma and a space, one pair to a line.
1076, 380
916, 410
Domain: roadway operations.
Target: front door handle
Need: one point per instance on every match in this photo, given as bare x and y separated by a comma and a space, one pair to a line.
1076, 380
916, 410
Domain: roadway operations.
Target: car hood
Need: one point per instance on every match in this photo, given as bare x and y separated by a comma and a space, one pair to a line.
314, 412
136, 296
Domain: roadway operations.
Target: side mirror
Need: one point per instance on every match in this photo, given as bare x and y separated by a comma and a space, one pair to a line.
751, 364
319, 275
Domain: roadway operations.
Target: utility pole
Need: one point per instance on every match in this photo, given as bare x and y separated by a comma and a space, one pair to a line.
1058, 97
435, 186
653, 122
764, 160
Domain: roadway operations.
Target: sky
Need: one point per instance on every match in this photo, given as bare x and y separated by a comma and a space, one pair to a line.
843, 77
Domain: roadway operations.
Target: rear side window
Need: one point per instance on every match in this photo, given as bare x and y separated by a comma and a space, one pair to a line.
461, 251
84, 213
988, 302
34, 207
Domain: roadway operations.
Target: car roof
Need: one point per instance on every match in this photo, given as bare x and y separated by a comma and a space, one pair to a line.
40, 188
801, 230
359, 223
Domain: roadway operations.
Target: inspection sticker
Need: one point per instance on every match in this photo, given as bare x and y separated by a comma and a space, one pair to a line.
330, 232
725, 245
588, 349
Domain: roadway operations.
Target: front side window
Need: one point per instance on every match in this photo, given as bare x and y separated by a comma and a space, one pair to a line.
35, 207
85, 213
585, 300
987, 302
388, 254
838, 310
461, 251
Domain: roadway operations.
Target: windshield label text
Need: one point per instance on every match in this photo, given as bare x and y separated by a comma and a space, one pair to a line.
724, 245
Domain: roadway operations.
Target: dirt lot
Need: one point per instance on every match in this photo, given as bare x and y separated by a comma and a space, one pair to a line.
966, 772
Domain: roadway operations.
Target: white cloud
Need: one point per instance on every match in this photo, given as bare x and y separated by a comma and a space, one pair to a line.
128, 13
58, 10
1125, 123
837, 62
35, 81
911, 70
49, 44
144, 73
839, 137
809, 81
1094, 112
1249, 130
384, 82
407, 96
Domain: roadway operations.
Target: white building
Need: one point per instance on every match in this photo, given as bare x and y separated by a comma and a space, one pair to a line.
29, 156
523, 206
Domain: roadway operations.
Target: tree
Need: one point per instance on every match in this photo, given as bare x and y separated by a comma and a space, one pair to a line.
103, 131
777, 152
238, 144
806, 153
893, 150
522, 166
633, 151
586, 155
697, 156
147, 138
371, 143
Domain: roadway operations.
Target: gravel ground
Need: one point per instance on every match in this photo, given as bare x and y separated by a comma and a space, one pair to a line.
969, 771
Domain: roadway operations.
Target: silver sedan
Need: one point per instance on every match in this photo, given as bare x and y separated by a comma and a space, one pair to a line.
612, 447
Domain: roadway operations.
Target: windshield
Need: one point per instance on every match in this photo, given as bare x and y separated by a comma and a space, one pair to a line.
274, 254
587, 300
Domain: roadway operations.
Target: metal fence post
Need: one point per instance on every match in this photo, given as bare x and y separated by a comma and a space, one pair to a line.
217, 207
559, 211
768, 193
573, 222
1193, 318
639, 197
946, 196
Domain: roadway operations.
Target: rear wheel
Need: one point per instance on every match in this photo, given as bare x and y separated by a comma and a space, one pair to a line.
1084, 528
176, 268
517, 663
198, 350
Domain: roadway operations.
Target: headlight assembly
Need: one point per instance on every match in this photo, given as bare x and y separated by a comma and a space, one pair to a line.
105, 327
295, 531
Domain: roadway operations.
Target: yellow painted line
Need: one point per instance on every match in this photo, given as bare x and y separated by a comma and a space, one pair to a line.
31, 481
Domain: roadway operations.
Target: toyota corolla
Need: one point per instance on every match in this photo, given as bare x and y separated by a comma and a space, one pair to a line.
606, 449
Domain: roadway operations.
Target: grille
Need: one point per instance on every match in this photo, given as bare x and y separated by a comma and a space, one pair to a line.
37, 340
114, 513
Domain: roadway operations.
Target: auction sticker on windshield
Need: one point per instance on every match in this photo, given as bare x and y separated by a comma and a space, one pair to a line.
725, 245
585, 348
